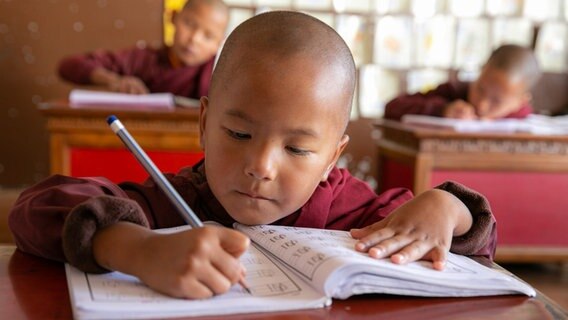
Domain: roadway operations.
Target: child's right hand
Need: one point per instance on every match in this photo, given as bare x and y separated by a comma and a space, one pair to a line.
196, 263
460, 109
128, 84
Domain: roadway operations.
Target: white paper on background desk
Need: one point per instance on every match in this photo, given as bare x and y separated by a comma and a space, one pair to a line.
536, 124
80, 98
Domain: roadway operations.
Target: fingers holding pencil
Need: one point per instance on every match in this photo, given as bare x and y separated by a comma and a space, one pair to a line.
230, 242
235, 244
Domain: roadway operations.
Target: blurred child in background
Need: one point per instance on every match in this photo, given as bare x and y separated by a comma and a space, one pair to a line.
502, 90
183, 69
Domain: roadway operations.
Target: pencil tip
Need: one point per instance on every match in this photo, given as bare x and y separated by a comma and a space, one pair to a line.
245, 286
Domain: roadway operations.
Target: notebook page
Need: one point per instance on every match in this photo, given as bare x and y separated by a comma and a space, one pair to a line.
459, 125
117, 295
79, 98
315, 254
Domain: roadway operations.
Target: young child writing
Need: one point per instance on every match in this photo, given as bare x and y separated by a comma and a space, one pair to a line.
502, 90
272, 129
183, 69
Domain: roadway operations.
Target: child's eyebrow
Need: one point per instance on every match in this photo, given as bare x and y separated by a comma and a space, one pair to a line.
240, 115
302, 132
292, 131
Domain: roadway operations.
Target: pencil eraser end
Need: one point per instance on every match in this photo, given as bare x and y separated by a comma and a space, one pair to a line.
111, 119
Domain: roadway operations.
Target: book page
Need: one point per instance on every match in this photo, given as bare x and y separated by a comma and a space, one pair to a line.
536, 124
79, 98
117, 295
327, 259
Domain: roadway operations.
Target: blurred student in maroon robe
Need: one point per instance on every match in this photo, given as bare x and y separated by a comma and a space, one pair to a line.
183, 69
502, 90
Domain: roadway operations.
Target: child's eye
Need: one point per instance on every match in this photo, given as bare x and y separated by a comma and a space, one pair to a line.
189, 23
297, 151
237, 135
209, 36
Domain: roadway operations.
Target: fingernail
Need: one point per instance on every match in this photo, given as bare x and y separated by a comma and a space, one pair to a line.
439, 265
376, 252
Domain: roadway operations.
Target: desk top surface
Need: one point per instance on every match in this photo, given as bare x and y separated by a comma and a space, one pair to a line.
36, 288
62, 108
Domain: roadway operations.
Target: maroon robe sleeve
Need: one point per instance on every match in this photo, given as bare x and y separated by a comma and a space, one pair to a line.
37, 217
524, 111
481, 239
78, 68
58, 217
431, 103
434, 102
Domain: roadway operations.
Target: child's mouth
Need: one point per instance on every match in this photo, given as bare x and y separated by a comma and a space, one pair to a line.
252, 195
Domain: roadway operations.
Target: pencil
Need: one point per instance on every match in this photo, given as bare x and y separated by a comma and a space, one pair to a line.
183, 209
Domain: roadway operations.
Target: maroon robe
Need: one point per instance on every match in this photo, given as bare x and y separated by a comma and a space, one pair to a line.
152, 66
58, 217
433, 102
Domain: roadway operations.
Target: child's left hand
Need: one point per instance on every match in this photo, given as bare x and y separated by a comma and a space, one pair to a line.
422, 228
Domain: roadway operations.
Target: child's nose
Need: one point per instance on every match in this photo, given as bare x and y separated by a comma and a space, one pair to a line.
195, 36
483, 107
262, 165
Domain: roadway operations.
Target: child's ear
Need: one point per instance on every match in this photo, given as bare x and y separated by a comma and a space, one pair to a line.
340, 147
204, 105
173, 16
527, 97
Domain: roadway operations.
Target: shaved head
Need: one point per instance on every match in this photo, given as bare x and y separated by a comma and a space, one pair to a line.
517, 61
217, 4
278, 39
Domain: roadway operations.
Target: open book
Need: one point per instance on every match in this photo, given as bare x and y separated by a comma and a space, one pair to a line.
79, 98
291, 268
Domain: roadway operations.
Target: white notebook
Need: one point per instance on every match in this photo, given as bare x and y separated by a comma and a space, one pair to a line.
536, 124
291, 268
81, 98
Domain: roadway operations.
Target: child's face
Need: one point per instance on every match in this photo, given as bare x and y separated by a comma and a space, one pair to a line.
271, 137
199, 31
495, 94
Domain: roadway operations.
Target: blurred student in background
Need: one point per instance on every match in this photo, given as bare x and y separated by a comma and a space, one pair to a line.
502, 90
183, 69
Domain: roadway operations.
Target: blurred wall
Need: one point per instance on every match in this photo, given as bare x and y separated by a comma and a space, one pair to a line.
34, 35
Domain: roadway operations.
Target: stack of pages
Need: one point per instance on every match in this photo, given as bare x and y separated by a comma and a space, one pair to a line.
536, 124
291, 268
161, 101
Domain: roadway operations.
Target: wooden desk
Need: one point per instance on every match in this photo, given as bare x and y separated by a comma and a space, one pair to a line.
35, 288
524, 176
82, 144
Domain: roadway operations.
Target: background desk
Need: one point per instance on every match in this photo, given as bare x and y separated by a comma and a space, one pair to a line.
524, 176
82, 144
35, 288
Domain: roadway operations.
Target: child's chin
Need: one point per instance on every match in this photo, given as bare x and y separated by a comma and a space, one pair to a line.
252, 219
190, 61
